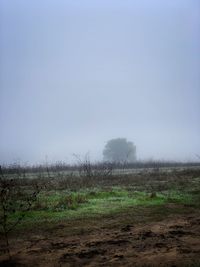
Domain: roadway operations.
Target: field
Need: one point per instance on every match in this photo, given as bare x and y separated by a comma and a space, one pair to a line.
145, 218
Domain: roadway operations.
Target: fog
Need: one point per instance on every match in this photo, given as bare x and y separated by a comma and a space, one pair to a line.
74, 74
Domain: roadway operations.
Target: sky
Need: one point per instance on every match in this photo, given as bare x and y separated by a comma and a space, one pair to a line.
75, 74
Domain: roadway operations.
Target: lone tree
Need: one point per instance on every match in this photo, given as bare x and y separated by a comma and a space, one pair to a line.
119, 150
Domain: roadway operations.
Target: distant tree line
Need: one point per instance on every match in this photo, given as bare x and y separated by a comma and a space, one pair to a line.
62, 166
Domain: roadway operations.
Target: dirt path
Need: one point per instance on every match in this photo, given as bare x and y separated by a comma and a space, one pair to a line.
172, 242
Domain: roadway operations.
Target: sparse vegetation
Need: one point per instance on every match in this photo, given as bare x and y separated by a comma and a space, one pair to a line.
15, 202
76, 199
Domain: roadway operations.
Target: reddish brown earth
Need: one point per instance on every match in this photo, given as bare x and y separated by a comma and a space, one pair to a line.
174, 241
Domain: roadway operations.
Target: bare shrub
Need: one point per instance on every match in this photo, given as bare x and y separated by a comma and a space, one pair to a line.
14, 203
89, 170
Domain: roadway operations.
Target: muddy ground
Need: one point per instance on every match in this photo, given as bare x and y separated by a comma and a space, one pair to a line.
113, 241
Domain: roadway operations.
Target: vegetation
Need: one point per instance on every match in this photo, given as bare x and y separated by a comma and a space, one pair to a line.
15, 202
25, 171
119, 150
70, 196
46, 200
54, 206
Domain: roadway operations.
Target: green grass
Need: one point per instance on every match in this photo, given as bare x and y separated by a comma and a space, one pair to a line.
52, 206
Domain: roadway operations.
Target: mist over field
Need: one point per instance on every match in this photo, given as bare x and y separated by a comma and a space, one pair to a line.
74, 74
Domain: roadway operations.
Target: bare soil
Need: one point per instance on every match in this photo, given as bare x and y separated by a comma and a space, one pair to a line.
172, 241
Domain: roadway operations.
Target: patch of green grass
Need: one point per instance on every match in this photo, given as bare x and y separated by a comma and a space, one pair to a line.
59, 201
109, 193
65, 205
53, 206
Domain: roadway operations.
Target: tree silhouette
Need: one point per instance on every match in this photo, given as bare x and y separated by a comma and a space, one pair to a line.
119, 150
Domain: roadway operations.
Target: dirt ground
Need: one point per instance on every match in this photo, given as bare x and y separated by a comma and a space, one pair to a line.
174, 241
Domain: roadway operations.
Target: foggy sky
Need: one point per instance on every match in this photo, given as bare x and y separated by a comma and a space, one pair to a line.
74, 74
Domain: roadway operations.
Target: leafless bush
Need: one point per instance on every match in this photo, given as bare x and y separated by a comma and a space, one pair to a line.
14, 203
89, 170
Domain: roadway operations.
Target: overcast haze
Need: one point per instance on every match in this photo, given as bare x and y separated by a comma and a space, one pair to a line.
74, 74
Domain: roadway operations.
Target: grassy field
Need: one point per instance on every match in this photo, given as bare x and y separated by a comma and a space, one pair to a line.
70, 207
